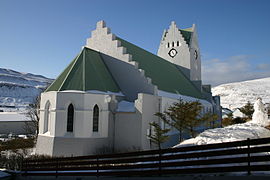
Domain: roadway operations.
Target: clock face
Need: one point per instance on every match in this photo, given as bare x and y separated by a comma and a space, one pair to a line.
172, 52
196, 54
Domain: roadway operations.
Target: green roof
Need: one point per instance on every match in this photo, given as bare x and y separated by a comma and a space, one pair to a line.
165, 75
86, 72
187, 33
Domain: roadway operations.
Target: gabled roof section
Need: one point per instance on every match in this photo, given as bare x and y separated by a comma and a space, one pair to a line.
165, 75
86, 72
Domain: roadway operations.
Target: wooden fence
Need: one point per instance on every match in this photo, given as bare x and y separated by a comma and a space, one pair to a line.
239, 156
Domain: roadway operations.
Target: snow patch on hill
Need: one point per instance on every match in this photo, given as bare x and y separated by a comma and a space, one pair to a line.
19, 89
236, 95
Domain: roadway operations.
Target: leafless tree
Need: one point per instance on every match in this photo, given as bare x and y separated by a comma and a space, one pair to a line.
32, 113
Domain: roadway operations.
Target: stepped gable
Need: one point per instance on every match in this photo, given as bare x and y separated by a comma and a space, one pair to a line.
186, 34
104, 41
86, 72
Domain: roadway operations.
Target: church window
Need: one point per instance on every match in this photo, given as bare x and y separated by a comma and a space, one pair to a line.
95, 118
70, 118
172, 44
168, 45
177, 43
46, 117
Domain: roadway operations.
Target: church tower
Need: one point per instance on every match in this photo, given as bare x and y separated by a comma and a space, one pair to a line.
180, 46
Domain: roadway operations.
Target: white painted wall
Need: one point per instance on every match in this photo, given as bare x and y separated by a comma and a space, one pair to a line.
58, 137
83, 113
127, 131
195, 64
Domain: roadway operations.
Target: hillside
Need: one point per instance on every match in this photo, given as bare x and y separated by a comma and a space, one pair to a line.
235, 95
18, 89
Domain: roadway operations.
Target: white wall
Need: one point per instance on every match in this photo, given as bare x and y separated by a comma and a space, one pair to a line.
83, 123
83, 113
127, 131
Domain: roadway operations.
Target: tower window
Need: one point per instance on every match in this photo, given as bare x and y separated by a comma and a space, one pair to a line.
70, 118
177, 43
168, 45
172, 44
95, 118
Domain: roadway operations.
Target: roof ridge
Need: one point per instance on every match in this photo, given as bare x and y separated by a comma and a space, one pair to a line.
99, 74
73, 61
84, 79
60, 87
97, 71
109, 72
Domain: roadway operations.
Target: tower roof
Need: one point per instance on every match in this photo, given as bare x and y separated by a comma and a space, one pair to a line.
86, 72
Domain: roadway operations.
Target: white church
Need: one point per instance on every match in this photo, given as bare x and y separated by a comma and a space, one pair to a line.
107, 96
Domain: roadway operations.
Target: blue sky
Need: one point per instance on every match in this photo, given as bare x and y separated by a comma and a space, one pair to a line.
42, 37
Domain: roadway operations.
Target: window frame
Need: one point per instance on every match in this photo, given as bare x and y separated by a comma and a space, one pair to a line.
95, 118
70, 118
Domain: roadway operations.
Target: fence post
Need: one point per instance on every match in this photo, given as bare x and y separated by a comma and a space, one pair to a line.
248, 159
97, 167
159, 164
56, 168
26, 166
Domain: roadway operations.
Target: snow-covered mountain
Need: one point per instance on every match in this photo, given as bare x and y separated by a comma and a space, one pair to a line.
20, 89
235, 95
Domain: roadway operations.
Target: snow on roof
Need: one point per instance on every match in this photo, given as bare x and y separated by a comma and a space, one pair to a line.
107, 93
125, 106
13, 116
95, 92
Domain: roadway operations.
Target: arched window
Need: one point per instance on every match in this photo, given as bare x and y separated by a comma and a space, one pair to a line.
70, 118
95, 118
172, 44
177, 43
46, 117
168, 45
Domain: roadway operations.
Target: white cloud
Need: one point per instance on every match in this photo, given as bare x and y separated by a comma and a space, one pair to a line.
263, 66
232, 69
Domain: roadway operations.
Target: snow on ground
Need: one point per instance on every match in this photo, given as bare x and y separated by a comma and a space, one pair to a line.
3, 174
235, 132
13, 116
236, 95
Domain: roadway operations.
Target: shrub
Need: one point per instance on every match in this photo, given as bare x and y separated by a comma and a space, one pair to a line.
17, 143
